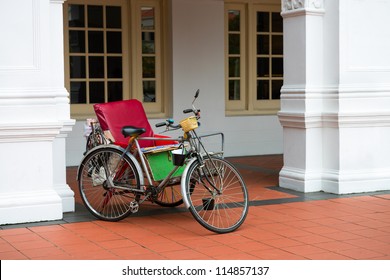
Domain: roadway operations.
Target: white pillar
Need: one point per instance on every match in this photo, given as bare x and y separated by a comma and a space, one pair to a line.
34, 112
335, 107
301, 104
62, 103
59, 169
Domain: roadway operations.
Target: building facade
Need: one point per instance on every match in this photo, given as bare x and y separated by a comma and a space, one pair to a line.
306, 78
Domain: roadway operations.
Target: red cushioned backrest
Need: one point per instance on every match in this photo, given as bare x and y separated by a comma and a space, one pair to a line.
113, 116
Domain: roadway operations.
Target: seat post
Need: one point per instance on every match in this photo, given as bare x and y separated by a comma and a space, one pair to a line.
143, 161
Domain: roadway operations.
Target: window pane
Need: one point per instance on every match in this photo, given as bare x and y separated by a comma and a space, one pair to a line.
234, 90
262, 90
78, 93
276, 86
114, 42
96, 67
95, 42
113, 17
277, 67
234, 20
148, 42
147, 18
262, 44
234, 43
95, 16
96, 92
148, 67
76, 41
234, 67
149, 90
77, 66
262, 67
114, 67
115, 91
263, 22
76, 16
277, 44
277, 22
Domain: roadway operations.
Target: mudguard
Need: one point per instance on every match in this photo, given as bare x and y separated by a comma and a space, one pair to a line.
121, 150
183, 183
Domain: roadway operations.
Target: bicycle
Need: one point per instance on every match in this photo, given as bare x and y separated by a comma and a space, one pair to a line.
96, 137
112, 179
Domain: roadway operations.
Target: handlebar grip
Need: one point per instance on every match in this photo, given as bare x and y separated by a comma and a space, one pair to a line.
161, 124
186, 111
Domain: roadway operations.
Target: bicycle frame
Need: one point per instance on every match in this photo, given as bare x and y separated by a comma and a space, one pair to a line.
196, 146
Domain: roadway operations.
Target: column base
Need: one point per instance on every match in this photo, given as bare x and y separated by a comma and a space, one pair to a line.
300, 180
359, 181
67, 197
25, 207
332, 181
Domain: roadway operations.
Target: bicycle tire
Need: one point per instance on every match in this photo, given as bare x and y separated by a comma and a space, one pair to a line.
170, 196
102, 200
221, 212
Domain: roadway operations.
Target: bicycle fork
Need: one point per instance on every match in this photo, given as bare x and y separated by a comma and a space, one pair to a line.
208, 184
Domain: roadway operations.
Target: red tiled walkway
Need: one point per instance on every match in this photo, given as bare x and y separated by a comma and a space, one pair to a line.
281, 225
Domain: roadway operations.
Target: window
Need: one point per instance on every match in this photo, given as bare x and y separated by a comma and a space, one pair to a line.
113, 51
148, 80
254, 58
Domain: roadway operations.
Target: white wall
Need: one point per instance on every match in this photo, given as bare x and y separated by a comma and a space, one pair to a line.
198, 63
75, 144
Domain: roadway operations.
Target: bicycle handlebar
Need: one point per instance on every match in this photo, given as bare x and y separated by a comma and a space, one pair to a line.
169, 123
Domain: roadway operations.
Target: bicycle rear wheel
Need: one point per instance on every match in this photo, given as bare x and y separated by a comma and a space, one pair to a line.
217, 195
106, 179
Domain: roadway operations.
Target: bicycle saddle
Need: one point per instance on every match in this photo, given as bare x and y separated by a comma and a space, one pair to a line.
132, 131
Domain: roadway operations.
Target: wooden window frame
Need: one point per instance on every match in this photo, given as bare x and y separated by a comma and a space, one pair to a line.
131, 55
249, 105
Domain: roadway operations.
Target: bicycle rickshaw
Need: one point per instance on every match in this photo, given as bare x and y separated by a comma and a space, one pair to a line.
116, 178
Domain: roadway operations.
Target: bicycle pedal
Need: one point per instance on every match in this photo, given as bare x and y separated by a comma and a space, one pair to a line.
134, 207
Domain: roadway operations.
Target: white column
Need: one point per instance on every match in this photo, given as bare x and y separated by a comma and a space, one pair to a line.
62, 105
59, 169
34, 111
301, 103
362, 119
336, 97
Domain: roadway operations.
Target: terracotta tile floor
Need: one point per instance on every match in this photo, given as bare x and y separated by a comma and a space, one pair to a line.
281, 225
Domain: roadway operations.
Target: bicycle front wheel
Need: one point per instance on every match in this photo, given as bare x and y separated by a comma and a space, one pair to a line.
217, 195
107, 180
